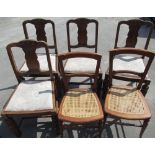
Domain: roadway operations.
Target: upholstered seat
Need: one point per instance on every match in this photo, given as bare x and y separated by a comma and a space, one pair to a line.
31, 96
80, 65
128, 62
43, 63
126, 102
80, 106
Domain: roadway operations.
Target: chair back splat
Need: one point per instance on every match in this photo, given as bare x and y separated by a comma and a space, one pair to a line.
82, 37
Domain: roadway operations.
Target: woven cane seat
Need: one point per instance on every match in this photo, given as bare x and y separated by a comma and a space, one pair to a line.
126, 102
80, 106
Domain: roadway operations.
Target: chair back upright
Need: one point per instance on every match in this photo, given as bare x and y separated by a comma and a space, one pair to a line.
39, 25
71, 55
134, 26
82, 36
29, 48
130, 51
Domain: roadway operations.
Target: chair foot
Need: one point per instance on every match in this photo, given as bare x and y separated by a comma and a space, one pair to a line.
13, 126
145, 124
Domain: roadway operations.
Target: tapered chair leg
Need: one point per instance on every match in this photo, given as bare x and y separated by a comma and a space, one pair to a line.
105, 86
56, 124
145, 124
13, 126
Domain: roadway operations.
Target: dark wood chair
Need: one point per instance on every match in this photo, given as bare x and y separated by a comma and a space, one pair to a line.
31, 98
40, 25
121, 61
82, 41
126, 102
80, 106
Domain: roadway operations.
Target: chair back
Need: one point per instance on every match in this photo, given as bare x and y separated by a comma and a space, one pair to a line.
130, 51
82, 37
70, 55
39, 25
134, 26
29, 48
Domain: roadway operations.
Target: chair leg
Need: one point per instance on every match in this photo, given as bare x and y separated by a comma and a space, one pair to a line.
61, 128
100, 127
105, 86
145, 88
99, 85
13, 126
145, 124
56, 123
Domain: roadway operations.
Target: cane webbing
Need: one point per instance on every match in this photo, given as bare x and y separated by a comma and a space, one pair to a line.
80, 104
127, 101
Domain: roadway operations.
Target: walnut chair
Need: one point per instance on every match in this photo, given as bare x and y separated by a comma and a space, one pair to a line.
137, 64
31, 98
40, 25
82, 39
78, 105
126, 102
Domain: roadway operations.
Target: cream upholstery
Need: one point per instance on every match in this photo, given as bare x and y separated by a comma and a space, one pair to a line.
43, 63
30, 96
128, 62
80, 65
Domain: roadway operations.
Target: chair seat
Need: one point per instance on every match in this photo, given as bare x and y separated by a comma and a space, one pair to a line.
81, 106
43, 63
128, 62
126, 102
80, 65
31, 96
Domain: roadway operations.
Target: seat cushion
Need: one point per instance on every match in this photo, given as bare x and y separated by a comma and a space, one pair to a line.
31, 96
128, 62
42, 58
126, 102
80, 106
80, 65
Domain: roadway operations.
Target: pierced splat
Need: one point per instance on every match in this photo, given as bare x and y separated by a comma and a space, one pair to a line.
134, 27
82, 24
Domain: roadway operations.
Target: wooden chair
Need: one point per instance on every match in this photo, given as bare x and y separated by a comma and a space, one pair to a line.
126, 102
31, 98
131, 41
39, 25
80, 106
82, 39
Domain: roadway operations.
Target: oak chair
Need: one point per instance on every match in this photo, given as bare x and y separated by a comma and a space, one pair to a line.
82, 41
79, 105
126, 102
40, 25
134, 26
31, 98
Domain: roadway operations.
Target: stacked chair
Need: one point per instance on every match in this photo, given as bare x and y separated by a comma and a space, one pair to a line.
37, 92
